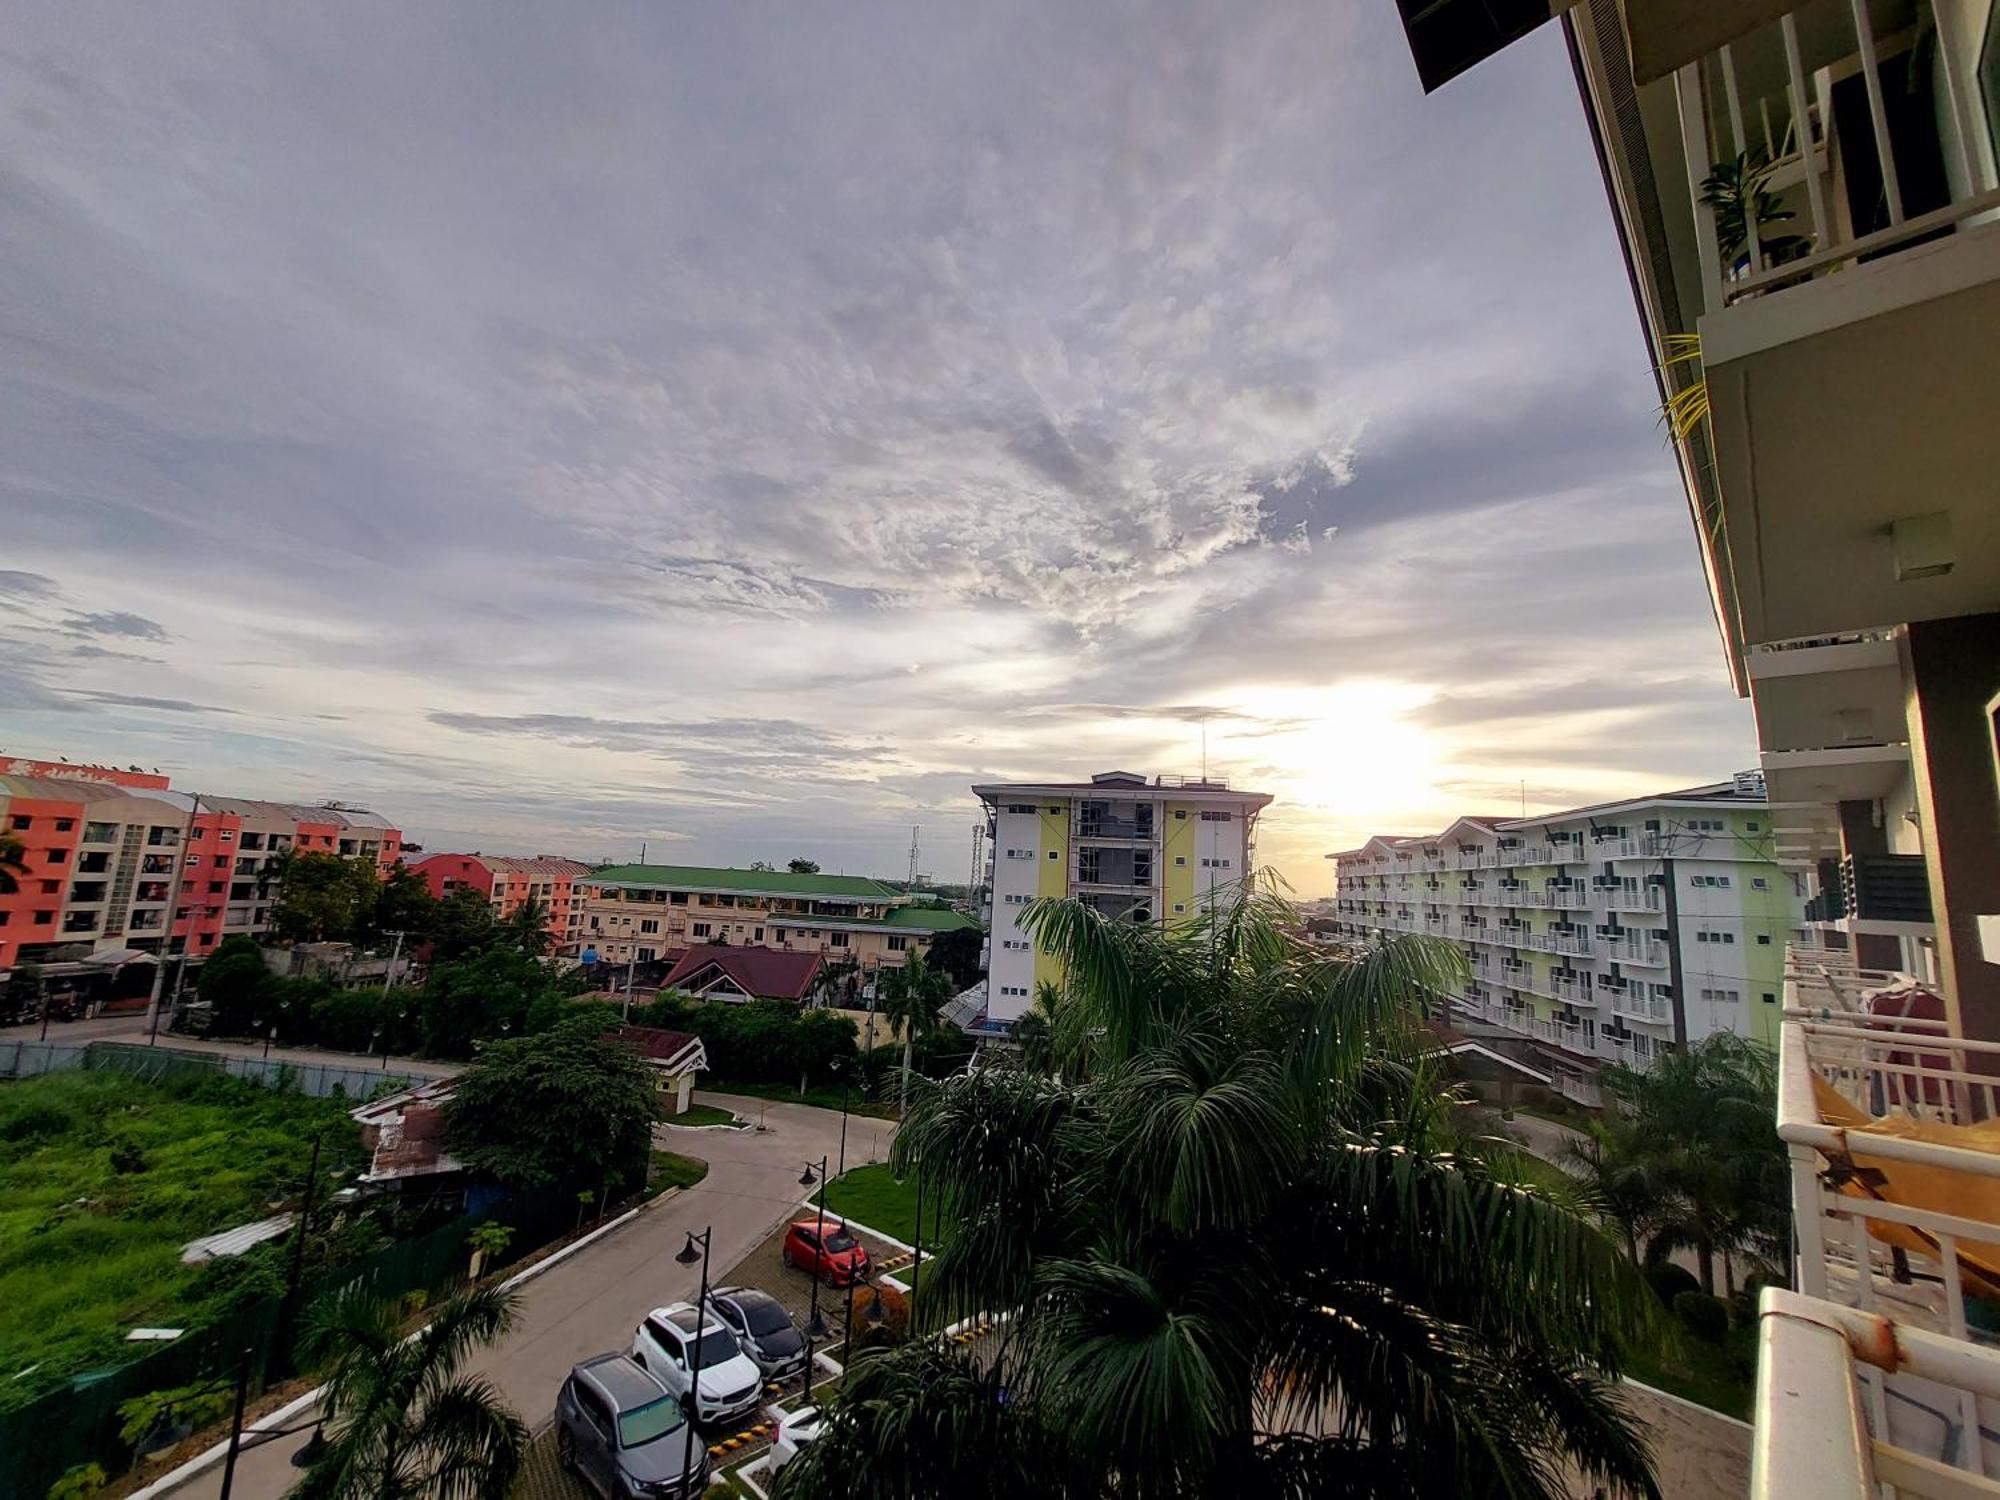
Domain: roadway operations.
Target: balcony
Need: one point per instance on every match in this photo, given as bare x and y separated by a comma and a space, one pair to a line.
1871, 1374
1640, 1007
1569, 898
1575, 991
1113, 830
1575, 1039
1635, 898
1874, 893
1631, 949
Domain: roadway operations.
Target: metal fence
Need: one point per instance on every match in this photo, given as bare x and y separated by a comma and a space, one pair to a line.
78, 1423
159, 1064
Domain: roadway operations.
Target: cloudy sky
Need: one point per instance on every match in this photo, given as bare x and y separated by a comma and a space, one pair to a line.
740, 427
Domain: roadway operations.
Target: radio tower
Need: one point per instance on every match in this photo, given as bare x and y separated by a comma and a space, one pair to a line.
915, 828
973, 881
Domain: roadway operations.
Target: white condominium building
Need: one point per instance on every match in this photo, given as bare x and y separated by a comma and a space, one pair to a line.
1596, 935
1163, 851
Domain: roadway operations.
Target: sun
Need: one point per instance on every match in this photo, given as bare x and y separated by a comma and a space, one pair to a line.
1349, 750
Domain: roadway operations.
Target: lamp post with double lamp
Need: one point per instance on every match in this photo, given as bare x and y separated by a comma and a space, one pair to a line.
815, 1324
688, 1256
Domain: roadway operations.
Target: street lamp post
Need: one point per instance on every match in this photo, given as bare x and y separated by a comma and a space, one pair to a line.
236, 1425
288, 1308
688, 1256
815, 1324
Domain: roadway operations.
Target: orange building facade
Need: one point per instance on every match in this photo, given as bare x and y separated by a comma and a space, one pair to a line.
509, 882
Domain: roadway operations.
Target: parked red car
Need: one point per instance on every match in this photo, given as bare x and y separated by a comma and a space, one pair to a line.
836, 1262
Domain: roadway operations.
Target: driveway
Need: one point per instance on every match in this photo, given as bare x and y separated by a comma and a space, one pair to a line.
592, 1301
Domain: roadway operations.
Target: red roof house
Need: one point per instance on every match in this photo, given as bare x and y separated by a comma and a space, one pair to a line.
720, 972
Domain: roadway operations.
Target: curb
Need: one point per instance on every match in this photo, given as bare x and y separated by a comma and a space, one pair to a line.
173, 1479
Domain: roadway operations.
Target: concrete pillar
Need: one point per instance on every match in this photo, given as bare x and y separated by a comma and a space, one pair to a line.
1951, 685
1861, 832
683, 1092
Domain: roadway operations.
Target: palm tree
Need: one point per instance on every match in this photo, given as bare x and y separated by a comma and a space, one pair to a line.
910, 998
13, 863
402, 1421
527, 927
1697, 1134
1240, 1250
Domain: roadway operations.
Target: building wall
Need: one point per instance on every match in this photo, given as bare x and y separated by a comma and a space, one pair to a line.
1514, 912
49, 830
1017, 880
1052, 879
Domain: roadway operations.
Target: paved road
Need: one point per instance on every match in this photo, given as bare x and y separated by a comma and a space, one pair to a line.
592, 1301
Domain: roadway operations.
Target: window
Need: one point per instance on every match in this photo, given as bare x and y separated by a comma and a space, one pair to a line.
836, 939
1180, 814
757, 936
57, 856
64, 825
677, 898
1221, 817
1020, 807
1769, 998
1717, 882
22, 822
1180, 859
1020, 854
225, 836
1721, 996
99, 833
700, 929
897, 941
44, 918
1763, 940
1179, 907
1054, 855
1752, 827
1759, 883
651, 924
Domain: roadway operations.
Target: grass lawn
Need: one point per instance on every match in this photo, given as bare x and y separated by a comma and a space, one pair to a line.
819, 1095
103, 1178
669, 1169
871, 1195
1720, 1377
705, 1114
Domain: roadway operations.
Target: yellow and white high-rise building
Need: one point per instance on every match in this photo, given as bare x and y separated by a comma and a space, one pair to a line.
1163, 850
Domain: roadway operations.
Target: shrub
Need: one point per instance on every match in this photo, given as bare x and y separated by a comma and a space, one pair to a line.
895, 1325
78, 1481
1668, 1281
186, 1406
1703, 1316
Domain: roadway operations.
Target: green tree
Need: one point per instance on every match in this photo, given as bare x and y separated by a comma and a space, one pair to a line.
233, 982
403, 1419
323, 898
13, 863
27, 990
910, 997
462, 923
803, 867
565, 1107
956, 951
762, 864
1241, 1251
491, 993
404, 904
526, 928
1697, 1134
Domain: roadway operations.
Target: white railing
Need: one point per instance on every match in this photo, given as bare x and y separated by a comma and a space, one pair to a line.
1635, 898
1767, 98
1575, 991
1641, 1007
1575, 944
1568, 898
1890, 1378
1579, 1090
1649, 951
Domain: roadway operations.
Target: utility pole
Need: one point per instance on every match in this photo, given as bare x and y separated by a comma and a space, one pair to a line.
173, 916
915, 829
395, 952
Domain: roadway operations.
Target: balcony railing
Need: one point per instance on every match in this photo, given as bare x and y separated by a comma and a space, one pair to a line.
1872, 888
1635, 898
1573, 991
1637, 950
1873, 1377
1849, 174
1641, 1007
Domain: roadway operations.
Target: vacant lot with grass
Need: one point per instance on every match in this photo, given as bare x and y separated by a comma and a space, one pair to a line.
103, 1178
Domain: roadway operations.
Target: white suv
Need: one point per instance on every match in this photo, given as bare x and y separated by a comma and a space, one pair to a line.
730, 1380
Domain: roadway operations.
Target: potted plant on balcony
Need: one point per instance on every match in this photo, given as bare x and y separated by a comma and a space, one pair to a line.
1736, 191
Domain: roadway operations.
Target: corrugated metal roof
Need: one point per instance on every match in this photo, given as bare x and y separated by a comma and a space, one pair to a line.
771, 882
235, 1241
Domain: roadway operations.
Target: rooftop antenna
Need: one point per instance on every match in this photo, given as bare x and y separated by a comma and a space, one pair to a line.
914, 829
642, 851
1204, 747
978, 840
1524, 797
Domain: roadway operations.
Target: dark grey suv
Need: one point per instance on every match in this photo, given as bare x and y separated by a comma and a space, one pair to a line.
763, 1329
620, 1431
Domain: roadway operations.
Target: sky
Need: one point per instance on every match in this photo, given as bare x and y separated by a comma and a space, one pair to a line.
737, 429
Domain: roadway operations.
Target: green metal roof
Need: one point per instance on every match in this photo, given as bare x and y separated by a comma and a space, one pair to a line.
771, 882
909, 918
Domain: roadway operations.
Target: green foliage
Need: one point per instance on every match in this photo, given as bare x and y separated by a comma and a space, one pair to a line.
490, 993
185, 1405
324, 898
1243, 1210
404, 903
763, 1041
462, 923
13, 863
873, 1195
78, 1481
1736, 190
404, 1421
956, 952
803, 866
558, 1108
1704, 1316
88, 1252
1668, 1281
1697, 1139
232, 981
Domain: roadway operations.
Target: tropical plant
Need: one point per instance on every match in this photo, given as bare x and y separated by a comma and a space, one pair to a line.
403, 1420
13, 863
803, 866
526, 928
1698, 1135
1736, 191
322, 897
838, 982
910, 997
1239, 1250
